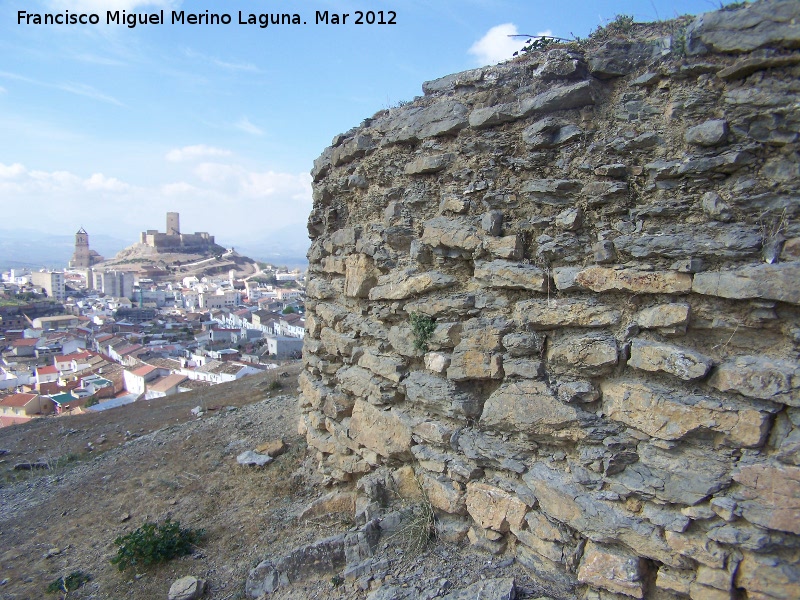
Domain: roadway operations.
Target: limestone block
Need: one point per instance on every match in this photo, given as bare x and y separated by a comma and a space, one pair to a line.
670, 414
444, 494
337, 344
330, 313
362, 383
492, 222
721, 579
437, 362
523, 367
770, 495
389, 367
698, 591
612, 569
508, 246
564, 278
510, 275
553, 576
759, 377
399, 285
360, 276
546, 529
676, 580
765, 576
752, 64
425, 165
493, 508
457, 234
770, 282
337, 405
667, 358
588, 355
698, 547
477, 355
552, 191
530, 406
387, 432
565, 312
675, 315
578, 391
416, 123
524, 344
570, 219
434, 432
406, 483
564, 500
757, 25
709, 133
321, 289
679, 241
333, 264
603, 279
551, 550
682, 475
440, 396
351, 149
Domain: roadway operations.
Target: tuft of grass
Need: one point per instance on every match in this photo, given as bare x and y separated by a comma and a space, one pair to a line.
70, 583
153, 543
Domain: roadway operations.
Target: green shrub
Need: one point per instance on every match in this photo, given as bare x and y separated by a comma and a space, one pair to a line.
68, 584
153, 543
422, 327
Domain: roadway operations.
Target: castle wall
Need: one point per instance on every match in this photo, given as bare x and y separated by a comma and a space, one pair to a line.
606, 246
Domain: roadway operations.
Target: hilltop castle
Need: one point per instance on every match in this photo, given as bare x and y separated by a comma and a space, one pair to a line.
175, 241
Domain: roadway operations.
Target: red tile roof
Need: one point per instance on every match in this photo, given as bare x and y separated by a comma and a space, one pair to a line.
48, 370
17, 400
145, 370
25, 342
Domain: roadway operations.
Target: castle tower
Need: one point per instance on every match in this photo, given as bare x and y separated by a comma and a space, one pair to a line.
173, 223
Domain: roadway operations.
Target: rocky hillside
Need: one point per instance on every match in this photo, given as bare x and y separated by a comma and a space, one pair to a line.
565, 293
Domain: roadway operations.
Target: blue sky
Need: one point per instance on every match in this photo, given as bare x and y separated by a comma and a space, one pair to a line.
108, 127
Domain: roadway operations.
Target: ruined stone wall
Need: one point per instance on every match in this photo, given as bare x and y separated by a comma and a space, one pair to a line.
608, 242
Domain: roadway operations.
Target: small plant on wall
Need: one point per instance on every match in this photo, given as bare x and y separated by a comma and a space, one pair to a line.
422, 326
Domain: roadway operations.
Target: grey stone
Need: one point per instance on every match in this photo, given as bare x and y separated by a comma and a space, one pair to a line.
566, 312
604, 252
752, 64
488, 589
564, 500
428, 164
524, 344
510, 275
570, 219
407, 283
680, 241
769, 282
715, 207
492, 222
415, 123
616, 58
708, 133
530, 406
585, 355
760, 377
187, 588
682, 362
440, 396
756, 25
683, 475
254, 459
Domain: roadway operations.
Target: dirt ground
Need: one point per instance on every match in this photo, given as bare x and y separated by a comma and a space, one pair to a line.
54, 522
157, 460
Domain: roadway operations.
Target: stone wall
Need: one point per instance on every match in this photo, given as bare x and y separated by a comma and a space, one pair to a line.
607, 241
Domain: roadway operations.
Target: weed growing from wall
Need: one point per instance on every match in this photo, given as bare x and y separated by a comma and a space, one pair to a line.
422, 327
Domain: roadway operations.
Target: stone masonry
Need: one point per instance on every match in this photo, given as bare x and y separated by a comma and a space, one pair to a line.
606, 241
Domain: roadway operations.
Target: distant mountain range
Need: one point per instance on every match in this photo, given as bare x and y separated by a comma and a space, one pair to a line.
28, 248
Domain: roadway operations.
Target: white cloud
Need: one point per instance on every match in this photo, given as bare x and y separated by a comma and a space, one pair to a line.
499, 44
230, 201
245, 125
195, 152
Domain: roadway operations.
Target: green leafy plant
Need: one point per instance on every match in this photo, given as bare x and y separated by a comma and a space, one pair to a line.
70, 583
422, 326
153, 543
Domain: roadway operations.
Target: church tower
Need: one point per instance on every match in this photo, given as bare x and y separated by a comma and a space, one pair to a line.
83, 257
